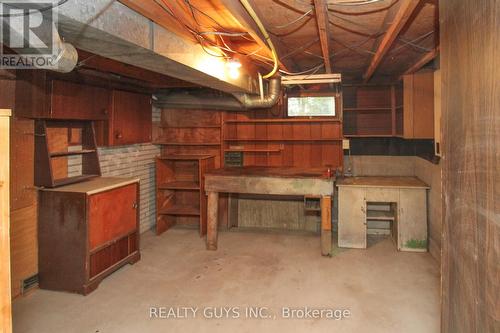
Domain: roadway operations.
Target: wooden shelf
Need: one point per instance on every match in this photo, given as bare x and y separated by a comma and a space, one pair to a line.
368, 135
254, 150
71, 180
379, 215
187, 143
369, 109
265, 139
180, 185
71, 153
180, 210
300, 120
190, 127
185, 157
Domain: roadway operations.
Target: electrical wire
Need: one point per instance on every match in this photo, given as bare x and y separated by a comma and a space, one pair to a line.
43, 9
357, 13
263, 30
294, 21
354, 3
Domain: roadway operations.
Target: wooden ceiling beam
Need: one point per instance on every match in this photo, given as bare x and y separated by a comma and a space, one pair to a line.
321, 10
422, 61
404, 13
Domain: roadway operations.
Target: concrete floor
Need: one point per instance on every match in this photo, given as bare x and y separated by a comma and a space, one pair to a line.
385, 291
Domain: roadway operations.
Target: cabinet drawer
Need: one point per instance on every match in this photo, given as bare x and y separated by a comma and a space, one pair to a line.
112, 214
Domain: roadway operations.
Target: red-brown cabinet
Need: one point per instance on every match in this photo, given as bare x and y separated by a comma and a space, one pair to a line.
86, 231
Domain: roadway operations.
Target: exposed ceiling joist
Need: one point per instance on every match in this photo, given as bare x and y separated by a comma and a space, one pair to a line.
422, 61
240, 14
404, 13
323, 30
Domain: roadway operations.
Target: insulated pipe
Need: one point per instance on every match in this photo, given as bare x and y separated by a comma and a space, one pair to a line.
209, 101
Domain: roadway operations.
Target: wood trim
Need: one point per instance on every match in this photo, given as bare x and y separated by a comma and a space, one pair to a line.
404, 13
5, 284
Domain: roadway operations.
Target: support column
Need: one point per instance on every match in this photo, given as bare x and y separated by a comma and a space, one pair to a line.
212, 207
326, 225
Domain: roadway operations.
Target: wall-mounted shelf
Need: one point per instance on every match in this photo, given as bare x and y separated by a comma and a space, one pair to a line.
268, 139
287, 120
256, 150
72, 153
187, 143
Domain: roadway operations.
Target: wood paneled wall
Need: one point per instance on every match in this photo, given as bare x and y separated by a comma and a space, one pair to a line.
266, 142
470, 69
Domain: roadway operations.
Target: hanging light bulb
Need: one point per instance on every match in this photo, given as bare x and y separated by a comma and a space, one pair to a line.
233, 68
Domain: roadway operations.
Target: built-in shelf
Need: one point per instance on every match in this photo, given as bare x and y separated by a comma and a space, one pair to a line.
190, 127
187, 143
374, 109
368, 135
179, 157
180, 210
179, 185
288, 120
71, 153
268, 139
254, 150
379, 215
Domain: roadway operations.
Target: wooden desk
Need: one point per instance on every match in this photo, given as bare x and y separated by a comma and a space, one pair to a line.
272, 181
407, 194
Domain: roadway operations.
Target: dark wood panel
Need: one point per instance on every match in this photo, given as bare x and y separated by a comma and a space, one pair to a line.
76, 101
108, 256
470, 69
131, 118
106, 223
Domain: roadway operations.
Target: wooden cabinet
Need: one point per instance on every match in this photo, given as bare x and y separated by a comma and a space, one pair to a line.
179, 189
418, 106
129, 122
121, 117
40, 96
86, 231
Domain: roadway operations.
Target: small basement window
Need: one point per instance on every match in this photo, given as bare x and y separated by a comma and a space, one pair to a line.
311, 106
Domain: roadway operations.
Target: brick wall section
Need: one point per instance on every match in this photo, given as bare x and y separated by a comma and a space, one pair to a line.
131, 161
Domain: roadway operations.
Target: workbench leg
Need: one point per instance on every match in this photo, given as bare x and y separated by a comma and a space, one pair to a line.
212, 207
326, 225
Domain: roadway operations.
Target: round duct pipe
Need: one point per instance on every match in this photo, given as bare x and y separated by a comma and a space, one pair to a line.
66, 60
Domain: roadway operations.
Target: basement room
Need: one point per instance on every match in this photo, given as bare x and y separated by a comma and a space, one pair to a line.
250, 166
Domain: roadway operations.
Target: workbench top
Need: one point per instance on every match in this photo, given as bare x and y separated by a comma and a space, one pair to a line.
280, 172
382, 181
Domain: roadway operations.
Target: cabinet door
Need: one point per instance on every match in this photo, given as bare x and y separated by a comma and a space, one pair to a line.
352, 217
131, 118
112, 214
76, 101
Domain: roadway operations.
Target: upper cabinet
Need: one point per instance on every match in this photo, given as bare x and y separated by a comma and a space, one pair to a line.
418, 106
129, 122
121, 117
38, 96
400, 110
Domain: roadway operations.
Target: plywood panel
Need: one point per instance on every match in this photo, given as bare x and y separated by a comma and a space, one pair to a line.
24, 246
470, 68
352, 218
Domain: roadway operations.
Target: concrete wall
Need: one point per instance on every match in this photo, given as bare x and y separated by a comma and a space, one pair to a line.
131, 161
429, 172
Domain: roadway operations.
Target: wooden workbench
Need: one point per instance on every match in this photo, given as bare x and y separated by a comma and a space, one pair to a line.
408, 195
270, 181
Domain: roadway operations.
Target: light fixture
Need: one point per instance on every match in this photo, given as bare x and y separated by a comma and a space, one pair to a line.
233, 68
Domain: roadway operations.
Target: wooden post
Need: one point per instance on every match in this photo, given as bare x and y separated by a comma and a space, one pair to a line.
5, 294
212, 207
326, 225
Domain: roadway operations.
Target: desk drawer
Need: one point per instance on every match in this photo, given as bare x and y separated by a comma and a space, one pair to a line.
112, 214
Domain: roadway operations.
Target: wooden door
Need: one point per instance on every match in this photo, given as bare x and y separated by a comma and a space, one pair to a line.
5, 294
352, 217
131, 118
76, 101
112, 214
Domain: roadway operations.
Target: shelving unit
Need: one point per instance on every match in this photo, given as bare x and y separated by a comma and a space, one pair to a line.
179, 188
52, 160
272, 138
369, 111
